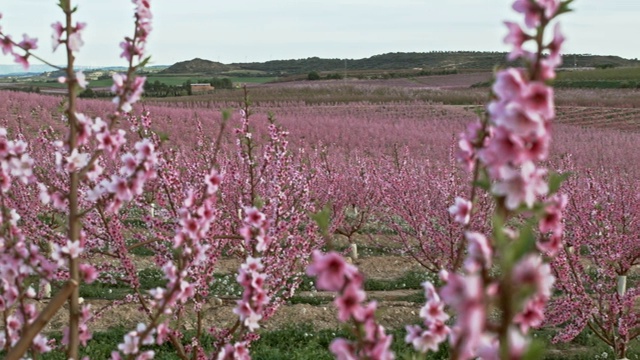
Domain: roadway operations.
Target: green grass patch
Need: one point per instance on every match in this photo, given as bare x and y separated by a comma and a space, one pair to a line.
410, 280
251, 79
301, 342
620, 73
296, 342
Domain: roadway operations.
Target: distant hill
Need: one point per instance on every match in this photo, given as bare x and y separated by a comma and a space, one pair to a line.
448, 60
196, 66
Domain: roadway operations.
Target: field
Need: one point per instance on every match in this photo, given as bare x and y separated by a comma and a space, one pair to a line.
373, 150
45, 84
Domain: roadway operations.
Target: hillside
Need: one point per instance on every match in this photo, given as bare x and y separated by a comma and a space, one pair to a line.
459, 60
196, 66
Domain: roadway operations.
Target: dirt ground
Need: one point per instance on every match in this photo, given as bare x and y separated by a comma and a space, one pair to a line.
393, 312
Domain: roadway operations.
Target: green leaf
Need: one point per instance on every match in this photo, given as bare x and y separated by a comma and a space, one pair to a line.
258, 202
226, 114
323, 219
525, 243
484, 184
555, 180
63, 4
499, 237
564, 8
144, 62
535, 351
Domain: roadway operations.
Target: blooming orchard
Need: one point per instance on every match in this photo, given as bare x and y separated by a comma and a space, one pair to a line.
99, 181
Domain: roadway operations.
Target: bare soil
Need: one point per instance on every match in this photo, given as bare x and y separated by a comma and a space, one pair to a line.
393, 312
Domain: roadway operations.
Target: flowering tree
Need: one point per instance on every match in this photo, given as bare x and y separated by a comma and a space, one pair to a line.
56, 219
416, 195
602, 247
502, 271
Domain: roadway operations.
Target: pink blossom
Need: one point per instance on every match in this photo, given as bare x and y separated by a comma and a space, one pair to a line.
120, 187
532, 315
84, 126
514, 117
74, 41
480, 252
331, 270
7, 45
110, 142
509, 84
22, 60
73, 249
466, 154
252, 321
502, 148
533, 272
426, 341
488, 347
552, 219
556, 44
537, 100
461, 290
58, 29
44, 194
521, 186
130, 345
548, 67
550, 7
81, 79
348, 303
343, 349
129, 165
550, 245
516, 38
433, 311
254, 217
28, 43
163, 333
143, 9
76, 161
145, 149
147, 355
517, 344
213, 181
461, 210
89, 273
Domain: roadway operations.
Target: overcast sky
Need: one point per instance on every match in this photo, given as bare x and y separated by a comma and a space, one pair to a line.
261, 30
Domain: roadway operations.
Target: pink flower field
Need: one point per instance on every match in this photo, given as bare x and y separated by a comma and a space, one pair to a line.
423, 217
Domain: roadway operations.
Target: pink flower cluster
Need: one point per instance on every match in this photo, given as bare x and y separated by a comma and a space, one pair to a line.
127, 94
434, 316
25, 314
250, 275
27, 44
196, 217
132, 343
334, 274
135, 47
20, 259
15, 161
129, 91
74, 38
84, 332
237, 351
136, 170
506, 149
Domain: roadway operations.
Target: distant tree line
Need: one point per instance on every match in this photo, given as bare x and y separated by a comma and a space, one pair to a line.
463, 60
160, 89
